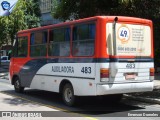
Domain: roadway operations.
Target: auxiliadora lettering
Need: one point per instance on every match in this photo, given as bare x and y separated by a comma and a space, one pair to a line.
65, 69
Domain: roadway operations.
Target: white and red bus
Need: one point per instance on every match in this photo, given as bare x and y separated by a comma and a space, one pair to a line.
97, 56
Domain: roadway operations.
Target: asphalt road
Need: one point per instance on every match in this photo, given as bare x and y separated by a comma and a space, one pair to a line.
90, 108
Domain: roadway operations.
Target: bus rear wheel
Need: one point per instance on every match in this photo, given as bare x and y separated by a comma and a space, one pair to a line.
68, 95
17, 86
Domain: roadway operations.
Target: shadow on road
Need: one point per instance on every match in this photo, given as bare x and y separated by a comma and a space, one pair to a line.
89, 105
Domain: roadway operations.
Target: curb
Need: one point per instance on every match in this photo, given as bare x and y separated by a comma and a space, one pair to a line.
142, 99
156, 87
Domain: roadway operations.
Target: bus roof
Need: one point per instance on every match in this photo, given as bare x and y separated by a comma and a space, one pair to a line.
109, 18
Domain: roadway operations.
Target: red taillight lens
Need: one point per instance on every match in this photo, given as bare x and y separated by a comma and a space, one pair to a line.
104, 73
152, 71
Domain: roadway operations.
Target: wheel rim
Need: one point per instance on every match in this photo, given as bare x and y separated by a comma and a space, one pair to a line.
68, 95
17, 85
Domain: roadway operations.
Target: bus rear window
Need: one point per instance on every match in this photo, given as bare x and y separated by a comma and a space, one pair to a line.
83, 40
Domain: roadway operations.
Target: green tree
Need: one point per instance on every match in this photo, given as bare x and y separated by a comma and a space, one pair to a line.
32, 13
3, 32
25, 15
74, 9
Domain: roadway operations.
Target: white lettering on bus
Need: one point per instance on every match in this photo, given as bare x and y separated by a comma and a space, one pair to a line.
65, 69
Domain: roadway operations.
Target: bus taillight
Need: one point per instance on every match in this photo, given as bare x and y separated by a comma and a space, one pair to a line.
152, 74
151, 71
104, 73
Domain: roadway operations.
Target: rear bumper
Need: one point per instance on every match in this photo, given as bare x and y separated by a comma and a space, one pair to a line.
124, 88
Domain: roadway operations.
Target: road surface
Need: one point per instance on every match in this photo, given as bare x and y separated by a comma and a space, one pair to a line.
89, 109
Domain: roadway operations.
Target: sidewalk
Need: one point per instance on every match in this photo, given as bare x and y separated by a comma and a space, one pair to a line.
17, 108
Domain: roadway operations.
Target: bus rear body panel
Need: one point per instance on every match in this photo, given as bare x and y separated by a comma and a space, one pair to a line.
129, 49
126, 80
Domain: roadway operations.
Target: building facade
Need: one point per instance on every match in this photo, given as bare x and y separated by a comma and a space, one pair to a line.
46, 18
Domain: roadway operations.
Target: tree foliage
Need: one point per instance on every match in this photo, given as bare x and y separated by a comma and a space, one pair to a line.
138, 8
25, 15
75, 9
69, 9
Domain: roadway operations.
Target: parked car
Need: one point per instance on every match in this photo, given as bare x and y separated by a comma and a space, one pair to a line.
5, 59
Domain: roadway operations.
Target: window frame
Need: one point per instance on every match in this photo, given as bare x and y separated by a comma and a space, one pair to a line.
79, 24
46, 43
16, 49
51, 37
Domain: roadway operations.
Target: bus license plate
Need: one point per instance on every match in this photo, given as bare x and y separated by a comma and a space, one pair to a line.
130, 76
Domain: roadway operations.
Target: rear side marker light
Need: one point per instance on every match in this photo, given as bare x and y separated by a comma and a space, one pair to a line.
104, 73
152, 71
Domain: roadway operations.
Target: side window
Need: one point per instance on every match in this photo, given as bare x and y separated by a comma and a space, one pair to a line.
38, 44
59, 42
21, 47
83, 40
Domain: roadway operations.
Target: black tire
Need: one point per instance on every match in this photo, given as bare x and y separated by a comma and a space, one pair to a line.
17, 86
68, 95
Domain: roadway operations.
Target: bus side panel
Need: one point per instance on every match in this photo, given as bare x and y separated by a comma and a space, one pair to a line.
39, 74
29, 70
81, 86
16, 65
